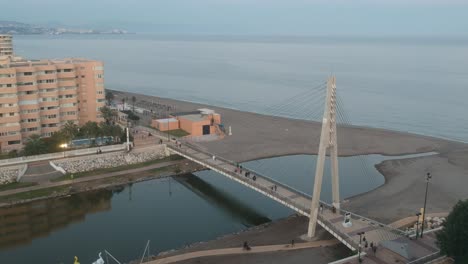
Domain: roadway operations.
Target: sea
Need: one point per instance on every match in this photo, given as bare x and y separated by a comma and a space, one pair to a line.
411, 84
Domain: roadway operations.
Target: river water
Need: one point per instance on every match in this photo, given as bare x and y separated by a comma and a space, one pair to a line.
409, 84
170, 212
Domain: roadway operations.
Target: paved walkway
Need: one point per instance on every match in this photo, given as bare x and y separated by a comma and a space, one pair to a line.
239, 250
89, 178
40, 171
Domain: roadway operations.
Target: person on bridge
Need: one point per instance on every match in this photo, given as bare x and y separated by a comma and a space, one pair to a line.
321, 208
276, 187
254, 178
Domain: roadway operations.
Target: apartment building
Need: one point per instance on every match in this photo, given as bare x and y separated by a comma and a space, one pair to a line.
6, 45
39, 96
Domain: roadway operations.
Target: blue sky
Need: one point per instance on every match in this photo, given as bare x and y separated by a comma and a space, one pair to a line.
284, 17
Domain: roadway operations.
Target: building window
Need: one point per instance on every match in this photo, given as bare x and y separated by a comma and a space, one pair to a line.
99, 76
14, 142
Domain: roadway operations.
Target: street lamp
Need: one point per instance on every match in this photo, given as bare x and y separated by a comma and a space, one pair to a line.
360, 241
428, 178
63, 146
417, 225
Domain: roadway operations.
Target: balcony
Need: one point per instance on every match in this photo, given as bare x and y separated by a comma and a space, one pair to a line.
23, 88
9, 109
64, 75
47, 85
7, 80
10, 119
8, 90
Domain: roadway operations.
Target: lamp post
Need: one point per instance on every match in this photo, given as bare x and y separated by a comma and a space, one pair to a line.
417, 225
428, 178
64, 146
359, 250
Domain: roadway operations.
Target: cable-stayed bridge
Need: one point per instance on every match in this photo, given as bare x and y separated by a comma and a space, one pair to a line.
347, 227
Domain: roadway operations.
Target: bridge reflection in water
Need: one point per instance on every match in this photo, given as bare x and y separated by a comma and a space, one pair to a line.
21, 224
248, 216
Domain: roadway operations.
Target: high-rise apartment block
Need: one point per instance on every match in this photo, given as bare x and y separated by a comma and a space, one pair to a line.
6, 45
39, 96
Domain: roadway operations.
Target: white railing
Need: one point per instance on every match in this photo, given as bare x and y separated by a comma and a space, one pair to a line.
22, 171
57, 168
58, 155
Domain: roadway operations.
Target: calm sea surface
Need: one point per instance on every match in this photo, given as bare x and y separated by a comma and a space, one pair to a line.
409, 84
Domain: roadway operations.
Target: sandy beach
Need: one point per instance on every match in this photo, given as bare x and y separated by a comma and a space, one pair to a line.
258, 136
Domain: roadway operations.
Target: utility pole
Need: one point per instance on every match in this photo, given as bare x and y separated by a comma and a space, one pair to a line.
328, 141
360, 246
428, 178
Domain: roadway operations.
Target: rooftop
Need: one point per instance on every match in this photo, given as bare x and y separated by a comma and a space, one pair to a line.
194, 117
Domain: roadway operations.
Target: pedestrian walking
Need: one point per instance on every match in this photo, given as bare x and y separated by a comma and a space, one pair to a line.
276, 187
372, 245
374, 249
321, 208
366, 245
292, 243
254, 178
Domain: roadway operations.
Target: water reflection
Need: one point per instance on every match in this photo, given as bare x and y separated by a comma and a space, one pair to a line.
21, 224
247, 215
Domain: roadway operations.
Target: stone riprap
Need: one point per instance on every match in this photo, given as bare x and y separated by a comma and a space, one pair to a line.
9, 174
109, 160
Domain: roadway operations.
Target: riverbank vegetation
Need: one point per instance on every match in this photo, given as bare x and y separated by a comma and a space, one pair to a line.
452, 240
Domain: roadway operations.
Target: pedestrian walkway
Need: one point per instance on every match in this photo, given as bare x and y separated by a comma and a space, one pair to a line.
40, 171
387, 238
240, 250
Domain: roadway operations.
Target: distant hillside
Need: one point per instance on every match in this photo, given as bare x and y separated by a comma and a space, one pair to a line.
17, 28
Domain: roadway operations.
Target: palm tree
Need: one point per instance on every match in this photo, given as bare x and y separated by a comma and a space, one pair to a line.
109, 98
133, 101
70, 130
108, 114
35, 146
90, 130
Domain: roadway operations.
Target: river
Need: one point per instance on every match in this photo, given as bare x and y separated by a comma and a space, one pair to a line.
170, 212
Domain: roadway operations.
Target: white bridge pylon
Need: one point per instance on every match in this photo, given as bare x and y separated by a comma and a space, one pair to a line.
329, 143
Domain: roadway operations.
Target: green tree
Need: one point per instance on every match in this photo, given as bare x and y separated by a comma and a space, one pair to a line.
133, 101
35, 145
109, 97
453, 238
108, 114
70, 130
90, 129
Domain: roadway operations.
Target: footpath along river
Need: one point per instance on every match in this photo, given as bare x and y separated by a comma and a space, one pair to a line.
171, 212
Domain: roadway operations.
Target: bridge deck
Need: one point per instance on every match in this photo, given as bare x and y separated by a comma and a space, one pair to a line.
375, 232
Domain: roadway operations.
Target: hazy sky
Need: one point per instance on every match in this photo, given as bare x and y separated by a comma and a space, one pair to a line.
297, 17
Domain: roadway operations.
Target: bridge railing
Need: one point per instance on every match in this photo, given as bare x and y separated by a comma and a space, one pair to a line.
426, 259
304, 207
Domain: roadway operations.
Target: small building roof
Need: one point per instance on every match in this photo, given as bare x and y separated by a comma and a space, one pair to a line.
185, 113
206, 111
167, 120
194, 117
